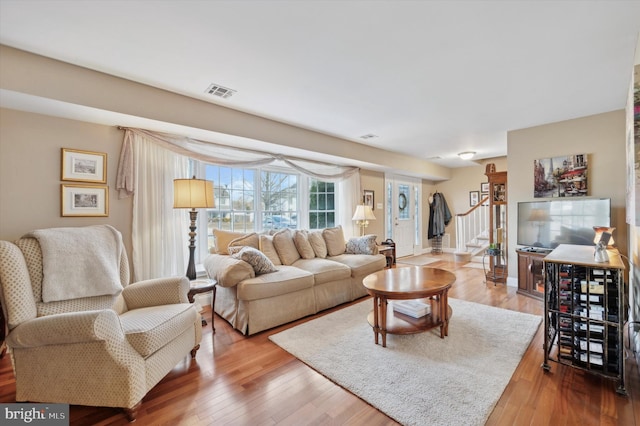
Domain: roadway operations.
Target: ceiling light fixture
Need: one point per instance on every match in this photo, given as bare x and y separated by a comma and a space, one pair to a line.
467, 155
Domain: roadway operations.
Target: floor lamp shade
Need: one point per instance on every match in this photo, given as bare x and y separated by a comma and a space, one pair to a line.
192, 194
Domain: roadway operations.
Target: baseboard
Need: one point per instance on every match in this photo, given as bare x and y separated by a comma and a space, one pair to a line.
512, 282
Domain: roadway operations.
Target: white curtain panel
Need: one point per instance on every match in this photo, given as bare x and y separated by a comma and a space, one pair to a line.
350, 196
160, 232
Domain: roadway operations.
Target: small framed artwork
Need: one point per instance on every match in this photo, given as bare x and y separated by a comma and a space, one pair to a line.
368, 198
484, 187
474, 198
84, 200
84, 166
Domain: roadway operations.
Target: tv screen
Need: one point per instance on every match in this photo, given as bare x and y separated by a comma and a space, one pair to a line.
547, 224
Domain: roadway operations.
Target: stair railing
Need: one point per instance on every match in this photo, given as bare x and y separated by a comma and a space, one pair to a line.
472, 225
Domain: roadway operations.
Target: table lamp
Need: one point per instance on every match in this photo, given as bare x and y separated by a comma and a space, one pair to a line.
539, 217
362, 216
192, 194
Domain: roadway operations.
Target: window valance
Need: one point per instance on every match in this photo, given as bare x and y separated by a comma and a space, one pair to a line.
219, 154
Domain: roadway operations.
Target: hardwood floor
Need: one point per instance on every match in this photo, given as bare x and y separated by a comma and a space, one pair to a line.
237, 380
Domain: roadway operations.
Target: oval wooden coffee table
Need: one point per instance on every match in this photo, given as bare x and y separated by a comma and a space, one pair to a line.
413, 282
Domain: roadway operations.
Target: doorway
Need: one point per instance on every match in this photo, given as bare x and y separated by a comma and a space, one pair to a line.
403, 214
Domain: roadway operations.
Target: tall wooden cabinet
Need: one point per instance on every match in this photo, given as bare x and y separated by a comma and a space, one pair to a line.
584, 312
497, 223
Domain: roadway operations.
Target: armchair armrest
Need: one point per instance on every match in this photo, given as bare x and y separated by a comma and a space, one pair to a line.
155, 292
67, 328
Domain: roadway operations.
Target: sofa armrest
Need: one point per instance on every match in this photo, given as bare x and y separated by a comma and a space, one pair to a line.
226, 270
155, 292
67, 328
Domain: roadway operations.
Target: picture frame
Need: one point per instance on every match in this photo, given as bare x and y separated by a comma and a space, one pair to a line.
484, 187
84, 200
368, 198
83, 166
474, 198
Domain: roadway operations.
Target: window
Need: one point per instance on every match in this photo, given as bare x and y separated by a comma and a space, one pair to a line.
248, 200
279, 200
322, 205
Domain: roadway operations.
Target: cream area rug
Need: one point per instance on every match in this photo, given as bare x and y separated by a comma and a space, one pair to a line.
418, 379
420, 260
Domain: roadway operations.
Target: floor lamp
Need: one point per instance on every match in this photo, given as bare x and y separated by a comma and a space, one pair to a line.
192, 194
362, 216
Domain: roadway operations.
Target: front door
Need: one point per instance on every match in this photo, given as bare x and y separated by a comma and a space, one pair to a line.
404, 215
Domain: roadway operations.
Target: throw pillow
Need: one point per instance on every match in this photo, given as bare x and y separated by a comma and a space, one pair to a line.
317, 243
223, 238
362, 245
334, 238
267, 247
286, 248
248, 240
254, 257
234, 249
301, 240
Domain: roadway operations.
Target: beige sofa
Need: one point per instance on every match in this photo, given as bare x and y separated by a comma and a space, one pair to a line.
306, 272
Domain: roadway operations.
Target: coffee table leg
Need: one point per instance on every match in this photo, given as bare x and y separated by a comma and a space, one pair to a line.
376, 323
383, 325
445, 298
443, 314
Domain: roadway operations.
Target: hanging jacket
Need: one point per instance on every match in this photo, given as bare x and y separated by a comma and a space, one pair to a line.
439, 216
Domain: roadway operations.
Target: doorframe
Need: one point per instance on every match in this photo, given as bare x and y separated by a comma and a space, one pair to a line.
390, 180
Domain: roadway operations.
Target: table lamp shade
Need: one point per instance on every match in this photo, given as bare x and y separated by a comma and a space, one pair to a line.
363, 213
192, 193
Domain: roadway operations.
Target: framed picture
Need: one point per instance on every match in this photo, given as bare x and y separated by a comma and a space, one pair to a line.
368, 199
484, 187
474, 198
84, 166
84, 200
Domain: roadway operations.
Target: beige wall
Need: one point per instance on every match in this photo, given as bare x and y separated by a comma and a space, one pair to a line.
30, 160
601, 137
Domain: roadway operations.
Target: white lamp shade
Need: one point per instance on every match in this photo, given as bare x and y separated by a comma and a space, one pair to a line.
598, 234
363, 213
192, 193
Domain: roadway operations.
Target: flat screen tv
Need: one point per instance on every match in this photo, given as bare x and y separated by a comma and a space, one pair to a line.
547, 224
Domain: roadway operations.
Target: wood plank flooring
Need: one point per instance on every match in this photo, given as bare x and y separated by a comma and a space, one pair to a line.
237, 380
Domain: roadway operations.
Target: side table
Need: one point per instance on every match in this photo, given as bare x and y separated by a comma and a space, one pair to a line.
388, 254
203, 286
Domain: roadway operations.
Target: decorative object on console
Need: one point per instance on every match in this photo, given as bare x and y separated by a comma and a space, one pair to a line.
600, 230
192, 194
362, 216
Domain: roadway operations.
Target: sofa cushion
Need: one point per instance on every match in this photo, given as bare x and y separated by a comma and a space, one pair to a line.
301, 240
227, 270
248, 240
361, 264
223, 238
286, 248
254, 257
267, 247
317, 243
287, 279
334, 238
362, 245
324, 270
149, 329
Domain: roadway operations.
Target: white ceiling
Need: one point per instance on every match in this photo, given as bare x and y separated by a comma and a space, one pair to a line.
429, 78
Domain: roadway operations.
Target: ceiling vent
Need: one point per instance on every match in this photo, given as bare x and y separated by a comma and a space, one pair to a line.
220, 91
368, 136
437, 157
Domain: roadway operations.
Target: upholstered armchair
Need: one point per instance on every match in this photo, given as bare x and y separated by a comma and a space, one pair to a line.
78, 332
